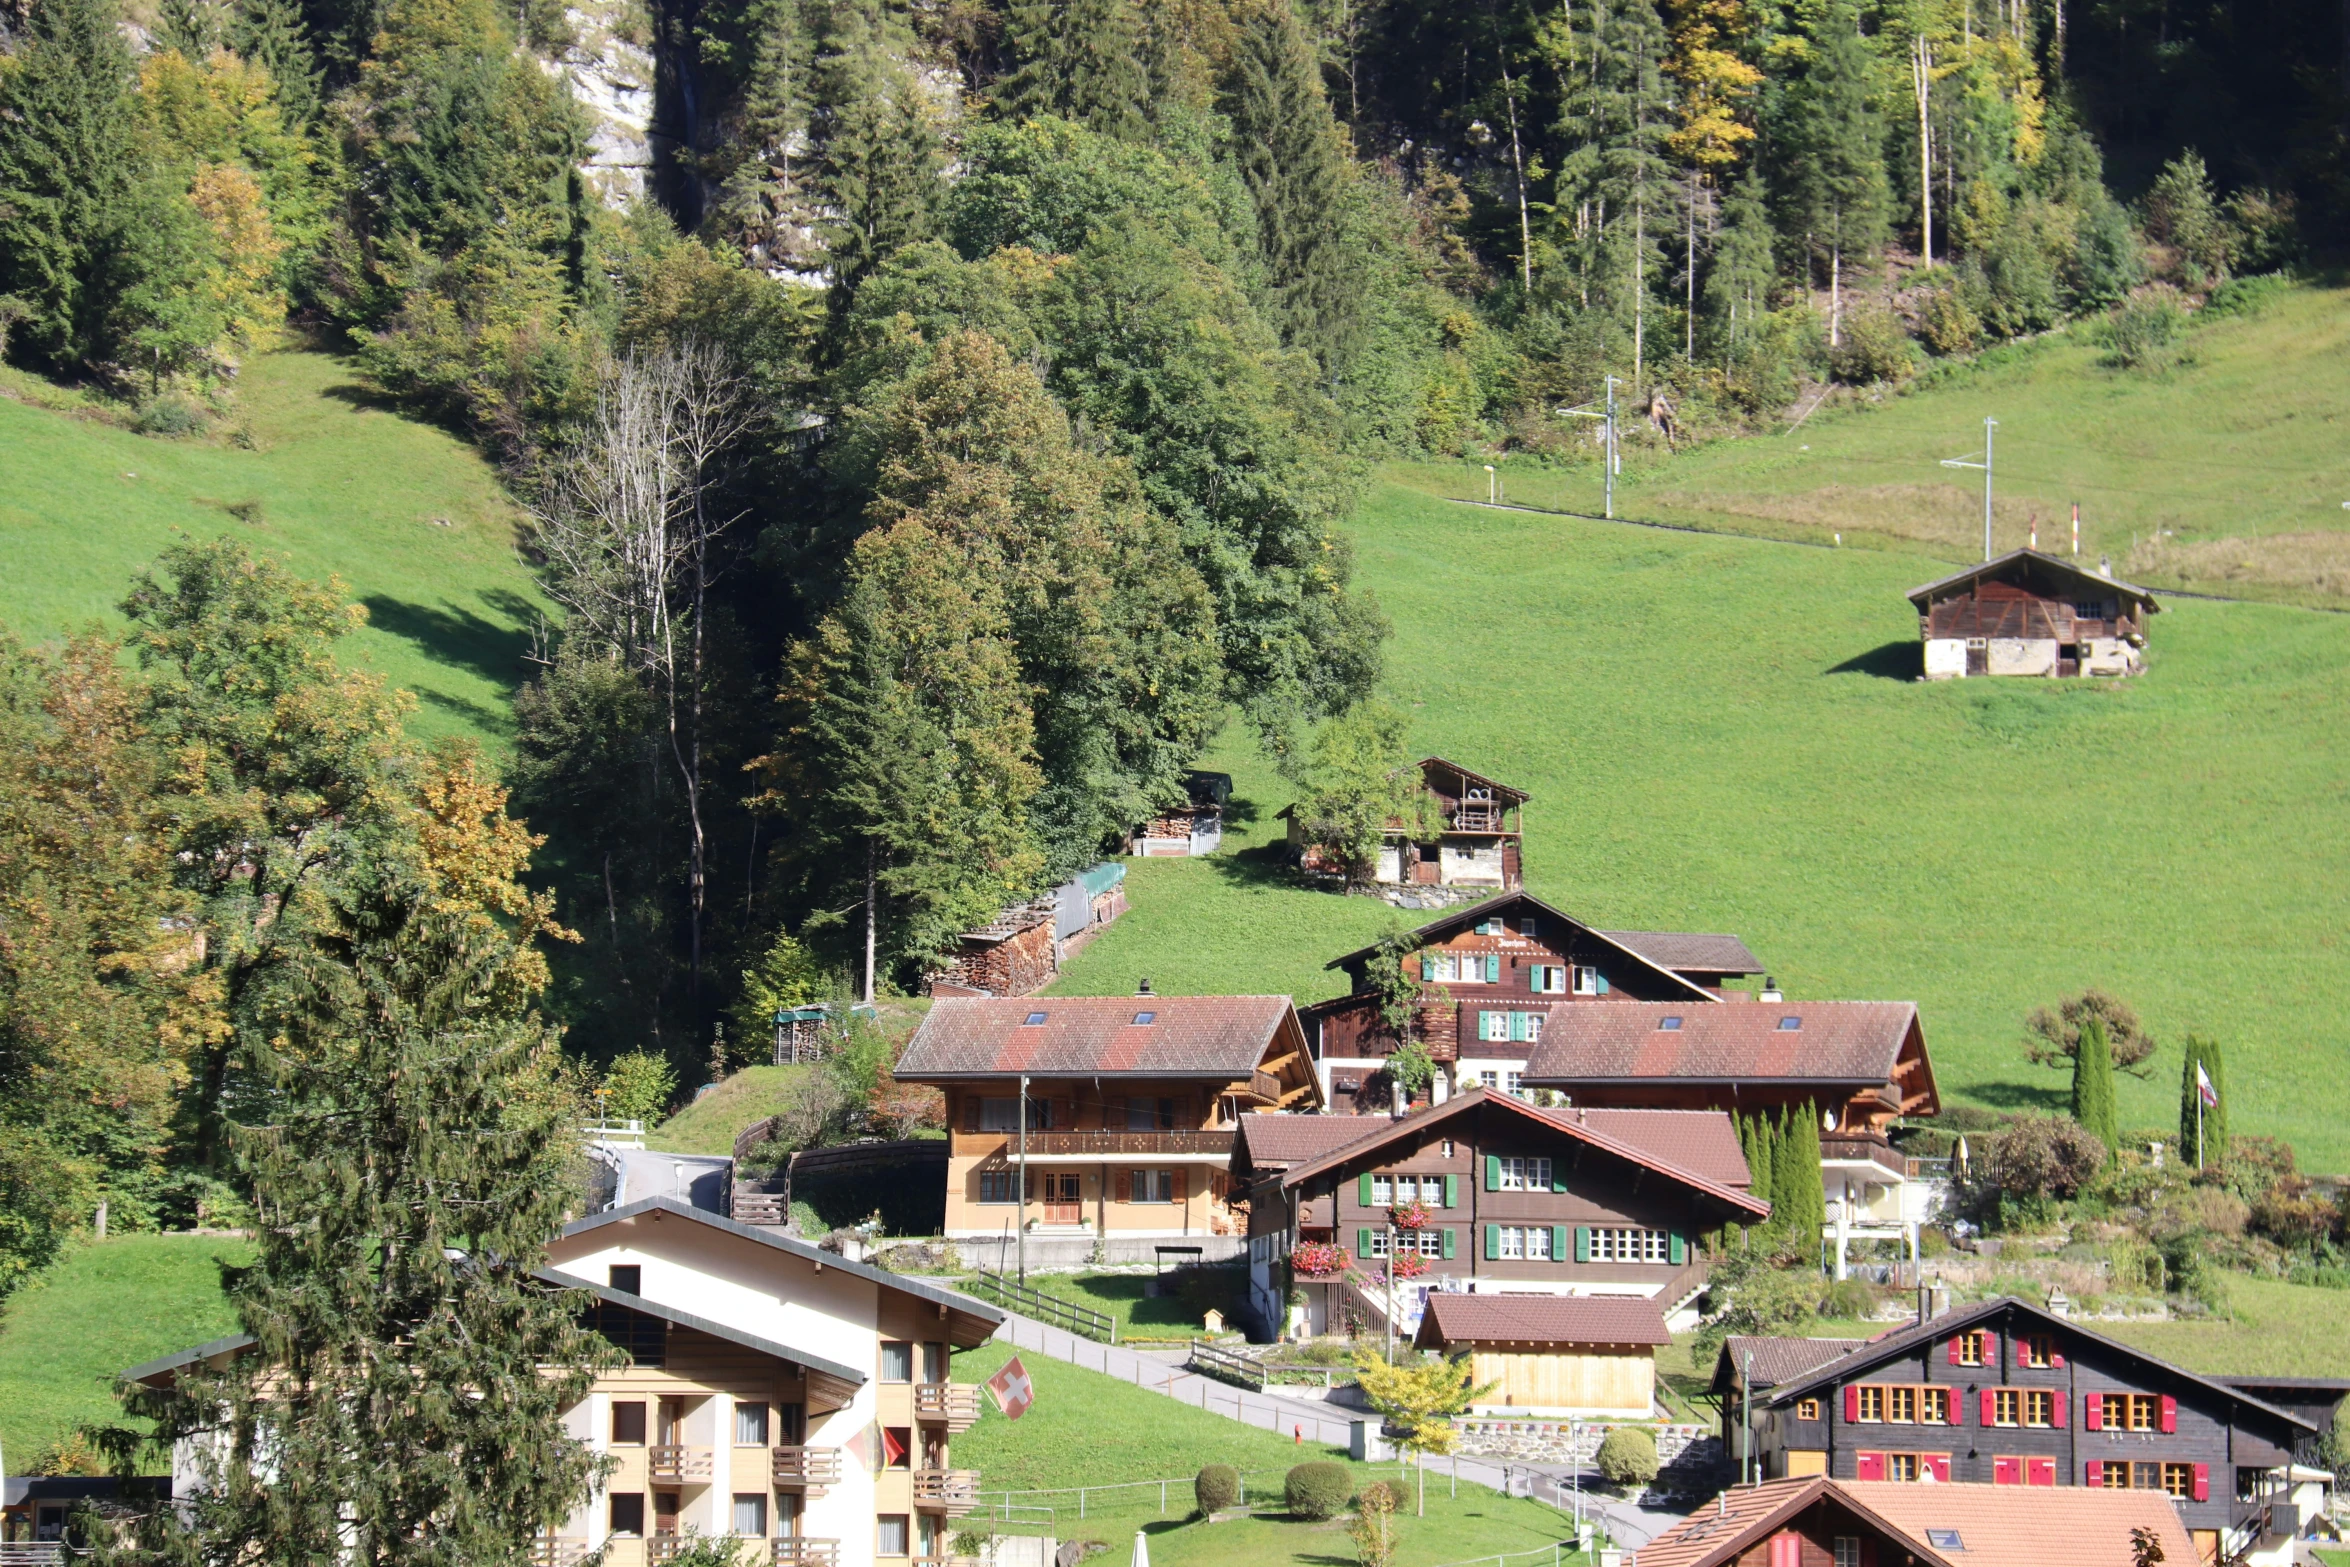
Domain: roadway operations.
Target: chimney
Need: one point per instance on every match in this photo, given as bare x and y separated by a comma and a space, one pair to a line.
1142, 987
1933, 1301
2105, 566
1770, 990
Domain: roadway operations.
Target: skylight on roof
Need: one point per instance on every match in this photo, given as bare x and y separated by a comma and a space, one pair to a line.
1669, 1024
1035, 1018
1146, 1017
1945, 1540
1788, 1025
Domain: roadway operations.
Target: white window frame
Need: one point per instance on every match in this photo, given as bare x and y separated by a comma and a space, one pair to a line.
1586, 980
1488, 1079
1378, 1246
1493, 1027
1847, 1550
1382, 1191
1633, 1246
1524, 1175
1513, 1243
1548, 979
1513, 1084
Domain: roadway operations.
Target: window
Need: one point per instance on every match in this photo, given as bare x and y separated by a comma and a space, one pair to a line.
1431, 1243
1589, 981
890, 1535
1847, 1550
1668, 1025
1489, 1079
1807, 1409
1383, 1191
1901, 1466
1547, 979
628, 1278
2132, 1411
999, 1115
750, 1516
1901, 1406
1150, 1115
1529, 927
1493, 1025
1630, 1246
2007, 1407
628, 1424
926, 1535
897, 1361
2179, 1479
1945, 1539
1142, 1018
1374, 1243
1033, 1019
2118, 1476
1522, 1175
750, 1425
1870, 1404
2089, 611
1464, 968
1153, 1186
1788, 1025
897, 1447
934, 1362
2039, 1407
1513, 1242
2036, 1349
1970, 1349
1524, 1242
628, 1510
999, 1186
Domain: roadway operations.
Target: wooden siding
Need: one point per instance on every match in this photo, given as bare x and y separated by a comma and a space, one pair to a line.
2004, 609
1558, 1379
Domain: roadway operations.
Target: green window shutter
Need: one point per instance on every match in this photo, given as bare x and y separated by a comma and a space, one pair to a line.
1493, 1172
1452, 1199
1679, 1250
1492, 968
1427, 968
1362, 1244
1363, 1188
1582, 1243
1558, 1242
1448, 1241
1517, 1027
1493, 1243
1602, 980
1558, 1175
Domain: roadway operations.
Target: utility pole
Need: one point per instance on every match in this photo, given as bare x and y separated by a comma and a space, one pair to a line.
1607, 434
1989, 425
1023, 1178
869, 914
1746, 1412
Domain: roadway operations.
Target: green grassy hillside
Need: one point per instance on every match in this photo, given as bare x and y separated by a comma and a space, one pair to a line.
2225, 472
411, 518
1721, 734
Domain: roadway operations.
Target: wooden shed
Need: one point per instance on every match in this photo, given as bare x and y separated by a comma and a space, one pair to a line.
1553, 1355
2026, 613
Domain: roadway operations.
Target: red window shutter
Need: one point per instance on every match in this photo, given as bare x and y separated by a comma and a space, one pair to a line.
1954, 1360
1954, 1405
2040, 1471
1176, 1185
1868, 1466
1851, 1405
1939, 1464
2056, 1358
2096, 1473
2170, 1413
2007, 1471
2060, 1403
1786, 1549
2203, 1482
1990, 1409
1990, 1348
1125, 1186
2093, 1411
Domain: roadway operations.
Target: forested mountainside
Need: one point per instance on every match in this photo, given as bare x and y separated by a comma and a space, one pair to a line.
935, 419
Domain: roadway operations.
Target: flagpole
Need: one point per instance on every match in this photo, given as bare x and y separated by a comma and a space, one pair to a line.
2198, 1115
1023, 1229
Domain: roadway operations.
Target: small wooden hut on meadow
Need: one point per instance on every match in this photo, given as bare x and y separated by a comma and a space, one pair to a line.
2026, 613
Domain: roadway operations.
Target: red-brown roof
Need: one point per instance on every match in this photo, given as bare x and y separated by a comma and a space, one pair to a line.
1453, 1320
2017, 565
1717, 1532
1274, 1142
1689, 951
2024, 1526
1751, 1041
1763, 1363
1700, 1140
1095, 1036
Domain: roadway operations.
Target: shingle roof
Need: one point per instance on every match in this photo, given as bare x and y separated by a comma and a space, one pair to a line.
1702, 1141
1983, 570
1777, 1360
1724, 1527
1681, 950
1475, 912
1274, 1142
1540, 1319
1833, 1042
1519, 796
2024, 1526
1094, 1036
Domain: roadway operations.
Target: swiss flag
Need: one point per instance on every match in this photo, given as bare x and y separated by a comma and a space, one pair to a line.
1012, 1390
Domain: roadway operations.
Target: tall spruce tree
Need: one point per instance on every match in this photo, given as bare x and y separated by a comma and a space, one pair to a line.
2209, 1123
879, 153
1836, 153
761, 207
2093, 1105
1293, 159
1082, 60
270, 34
409, 1159
1614, 182
1738, 286
69, 176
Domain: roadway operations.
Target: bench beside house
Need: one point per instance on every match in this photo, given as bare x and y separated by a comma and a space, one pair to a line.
1552, 1356
2026, 613
2007, 1394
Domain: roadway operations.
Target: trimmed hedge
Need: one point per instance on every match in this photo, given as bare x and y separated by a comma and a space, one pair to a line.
1216, 1487
1627, 1456
1319, 1490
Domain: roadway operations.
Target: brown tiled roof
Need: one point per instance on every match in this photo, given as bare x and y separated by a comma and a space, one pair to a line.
2021, 1525
1094, 1036
1777, 1360
1503, 904
1717, 1532
1702, 1141
1274, 1142
1834, 1042
2022, 562
1681, 950
1540, 1319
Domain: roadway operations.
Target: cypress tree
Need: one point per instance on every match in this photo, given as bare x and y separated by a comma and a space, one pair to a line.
1762, 1163
1082, 60
409, 1161
2093, 1105
1799, 1199
1294, 163
69, 168
2205, 1053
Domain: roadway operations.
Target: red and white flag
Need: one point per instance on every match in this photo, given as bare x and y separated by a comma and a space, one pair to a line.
1012, 1390
2205, 1088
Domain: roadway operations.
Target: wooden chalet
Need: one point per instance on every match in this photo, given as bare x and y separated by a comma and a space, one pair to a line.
2026, 613
1492, 976
1131, 1105
1499, 1195
2005, 1394
1463, 831
1552, 1356
1819, 1522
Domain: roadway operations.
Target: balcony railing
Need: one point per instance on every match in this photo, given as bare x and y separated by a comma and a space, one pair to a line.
797, 1552
755, 1207
952, 1491
31, 1553
662, 1548
678, 1463
557, 1550
956, 1403
1136, 1144
811, 1469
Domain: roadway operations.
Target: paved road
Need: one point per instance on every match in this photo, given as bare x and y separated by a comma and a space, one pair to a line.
1311, 1420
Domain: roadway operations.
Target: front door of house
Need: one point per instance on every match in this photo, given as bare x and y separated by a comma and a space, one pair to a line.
1062, 1204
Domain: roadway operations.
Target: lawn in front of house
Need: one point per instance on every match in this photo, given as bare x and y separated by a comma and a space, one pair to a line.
2272, 1329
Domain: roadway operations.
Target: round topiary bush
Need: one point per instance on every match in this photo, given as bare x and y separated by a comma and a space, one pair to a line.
1318, 1490
1216, 1488
1628, 1456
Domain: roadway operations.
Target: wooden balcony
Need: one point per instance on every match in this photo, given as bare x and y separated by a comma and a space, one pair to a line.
798, 1552
814, 1470
678, 1464
956, 1403
663, 1548
1130, 1145
556, 1550
950, 1491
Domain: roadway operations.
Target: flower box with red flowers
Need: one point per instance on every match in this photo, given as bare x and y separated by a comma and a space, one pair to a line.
1318, 1260
1408, 1266
1410, 1216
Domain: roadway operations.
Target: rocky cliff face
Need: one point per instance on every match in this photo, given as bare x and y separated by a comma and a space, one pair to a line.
610, 70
